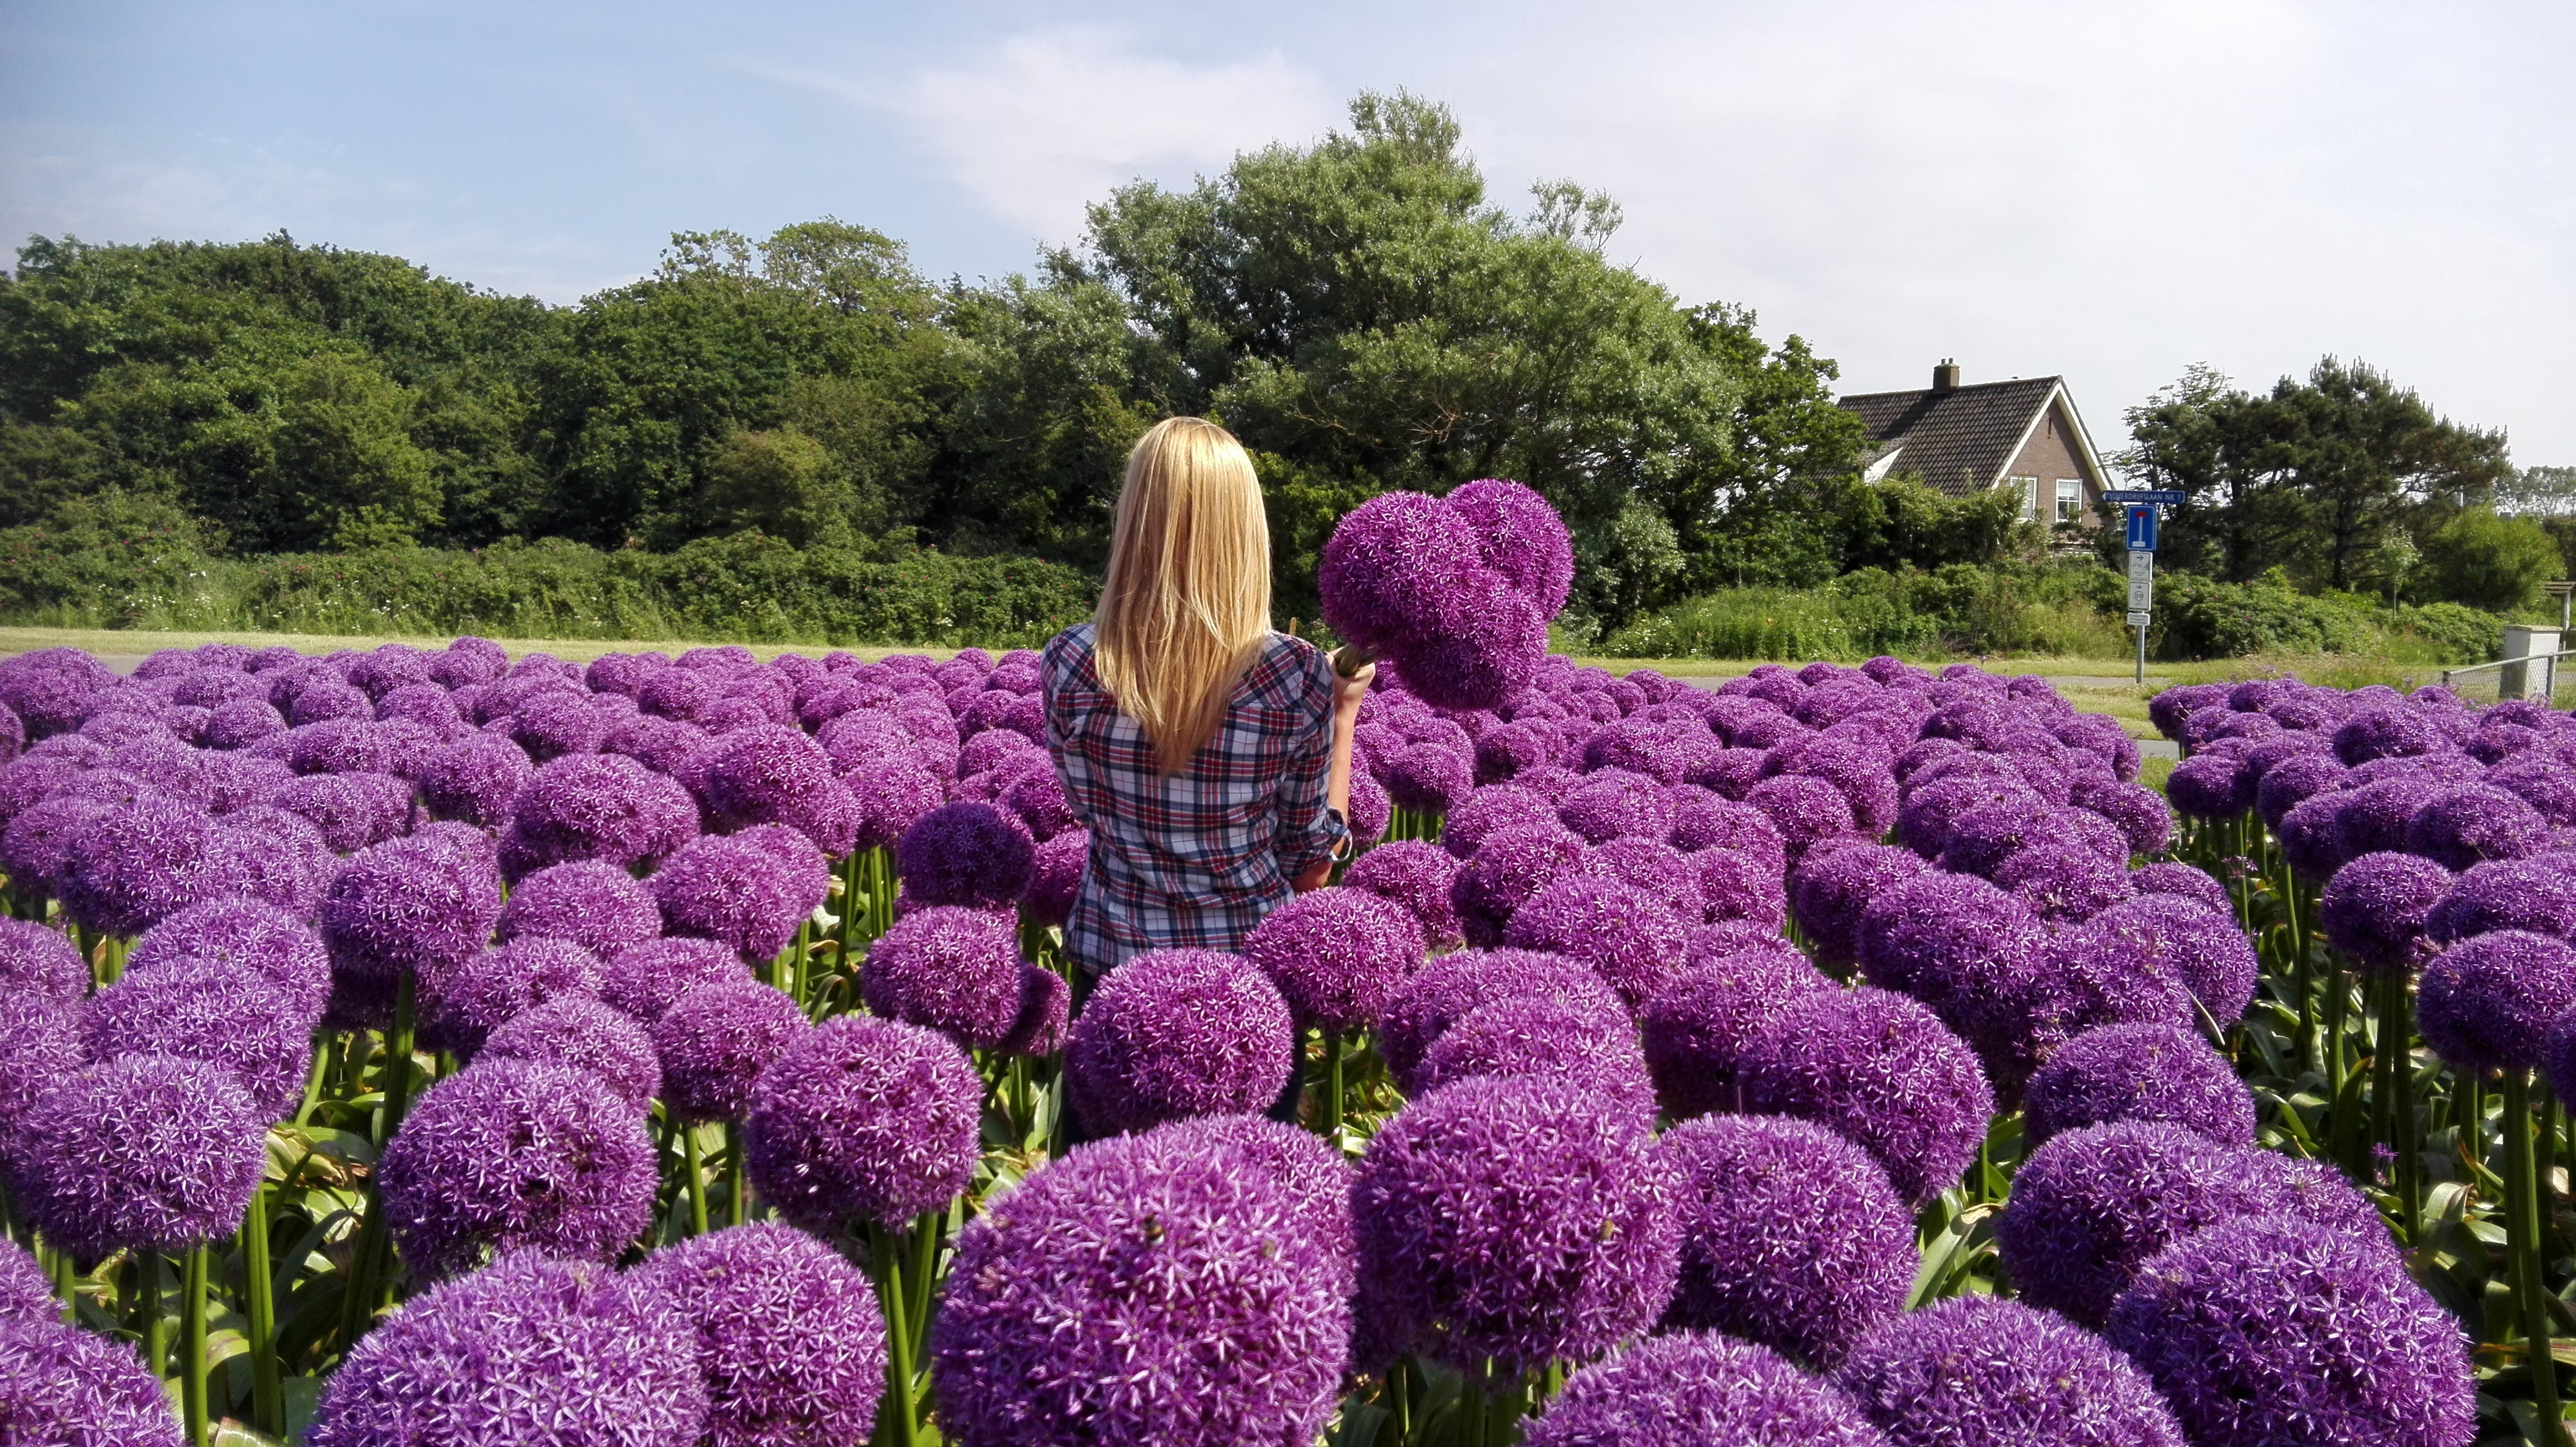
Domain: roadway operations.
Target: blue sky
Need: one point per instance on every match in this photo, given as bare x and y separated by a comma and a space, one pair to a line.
2110, 191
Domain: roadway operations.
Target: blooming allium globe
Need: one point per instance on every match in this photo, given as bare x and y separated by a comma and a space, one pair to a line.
596, 806
864, 1118
26, 1292
41, 964
462, 1001
1446, 989
956, 971
1512, 864
1489, 809
1634, 942
2206, 953
1517, 1219
1692, 1388
2064, 883
1337, 955
791, 1344
1175, 1033
2472, 823
1975, 1371
63, 1384
1313, 1172
643, 980
1417, 876
2272, 1329
748, 891
714, 1041
1881, 1069
595, 905
581, 1032
2151, 1071
1831, 887
1791, 1236
966, 854
2382, 733
1160, 1288
1696, 1027
127, 869
422, 902
144, 1153
1519, 535
2487, 1003
1586, 1042
529, 1349
225, 1014
1804, 809
775, 774
352, 810
476, 780
2375, 909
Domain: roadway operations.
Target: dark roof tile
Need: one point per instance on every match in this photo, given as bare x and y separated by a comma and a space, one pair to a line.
1957, 440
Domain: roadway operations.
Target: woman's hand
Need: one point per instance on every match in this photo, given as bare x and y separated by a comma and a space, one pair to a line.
1314, 878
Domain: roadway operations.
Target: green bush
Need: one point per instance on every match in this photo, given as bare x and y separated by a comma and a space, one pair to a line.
1959, 608
2490, 562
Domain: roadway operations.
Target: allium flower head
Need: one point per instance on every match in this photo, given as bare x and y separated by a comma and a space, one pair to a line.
1417, 876
476, 780
1506, 750
1803, 808
412, 904
2547, 782
1584, 1041
956, 971
2211, 786
1493, 807
581, 1032
40, 1045
2487, 1003
1174, 1033
2381, 733
2173, 938
1337, 955
1831, 887
1975, 1371
642, 980
507, 1155
1387, 566
2536, 894
352, 810
748, 890
145, 1152
2373, 817
1055, 877
2269, 1329
1520, 1219
2183, 881
1884, 1071
863, 1117
1791, 1236
775, 774
2064, 883
2093, 1204
1520, 536
1688, 885
1615, 802
2473, 823
1740, 885
63, 1384
1158, 1288
790, 1343
41, 964
597, 806
1429, 778
2150, 1071
1511, 865
223, 1013
1699, 1387
462, 1001
2138, 812
2375, 909
127, 869
1697, 1026
1938, 934
965, 854
1313, 1172
1445, 990
529, 1349
713, 1042
595, 905
1634, 942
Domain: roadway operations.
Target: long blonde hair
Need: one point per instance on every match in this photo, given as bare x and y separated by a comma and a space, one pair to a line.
1187, 602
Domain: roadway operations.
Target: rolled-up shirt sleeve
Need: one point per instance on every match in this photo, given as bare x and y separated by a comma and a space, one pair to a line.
1309, 831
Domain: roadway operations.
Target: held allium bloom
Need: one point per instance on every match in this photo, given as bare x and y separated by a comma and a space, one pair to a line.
65, 1384
147, 1152
2153, 1071
1174, 1033
586, 1034
597, 906
1974, 1371
715, 1040
864, 1117
966, 854
529, 1349
1881, 1069
791, 1344
1337, 955
956, 971
507, 1155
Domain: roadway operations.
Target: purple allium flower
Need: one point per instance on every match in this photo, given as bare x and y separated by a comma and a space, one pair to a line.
2547, 782
2270, 1329
1859, 775
1643, 746
2375, 909
2311, 835
581, 1032
597, 806
1803, 808
597, 906
1336, 955
1143, 1289
864, 1117
2149, 1071
1699, 1387
2487, 1003
554, 723
528, 1349
2536, 894
463, 1000
643, 980
1731, 773
956, 971
1496, 806
2064, 883
890, 794
1448, 988
1691, 886
790, 1343
1417, 876
1696, 1027
510, 1155
240, 724
2211, 786
1507, 750
1428, 778
1740, 885
715, 1040
2186, 882
1974, 1371
352, 810
1388, 567
1791, 1236
62, 1384
2383, 733
1055, 877
774, 774
1521, 1219
1621, 931
749, 890
2473, 823
1485, 648
124, 870
1587, 1042
282, 859
1174, 1033
41, 964
2178, 940
1045, 1013
2293, 782
1883, 1070
40, 1046
2138, 812
965, 854
1940, 934
145, 1152
221, 1012
414, 904
1614, 803
2093, 1204
2372, 818
1511, 865
1313, 1173
1832, 886
1521, 537
475, 780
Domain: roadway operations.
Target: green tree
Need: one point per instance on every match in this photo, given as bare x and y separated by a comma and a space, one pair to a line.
782, 483
342, 454
2490, 562
1778, 508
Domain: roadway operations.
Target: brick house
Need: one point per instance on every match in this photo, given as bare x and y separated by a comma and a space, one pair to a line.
1964, 439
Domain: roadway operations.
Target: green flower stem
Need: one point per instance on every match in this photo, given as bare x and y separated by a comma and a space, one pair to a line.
697, 1180
370, 1258
2302, 977
2397, 1025
259, 1307
737, 1209
326, 1055
156, 1322
193, 1381
2522, 1231
62, 1274
929, 1233
2338, 1006
898, 1419
1328, 1116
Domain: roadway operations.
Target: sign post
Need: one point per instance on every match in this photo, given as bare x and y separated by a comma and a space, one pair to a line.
2142, 514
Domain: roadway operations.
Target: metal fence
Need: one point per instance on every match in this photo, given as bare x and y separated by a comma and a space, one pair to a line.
2538, 677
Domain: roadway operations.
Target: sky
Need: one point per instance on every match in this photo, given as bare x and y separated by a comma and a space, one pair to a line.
2109, 191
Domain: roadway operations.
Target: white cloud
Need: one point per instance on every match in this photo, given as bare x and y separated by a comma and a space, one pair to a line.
1047, 122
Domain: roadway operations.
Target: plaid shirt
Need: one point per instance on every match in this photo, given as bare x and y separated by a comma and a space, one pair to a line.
1195, 859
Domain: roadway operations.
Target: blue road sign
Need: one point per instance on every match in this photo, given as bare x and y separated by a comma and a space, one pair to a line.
2142, 529
2163, 497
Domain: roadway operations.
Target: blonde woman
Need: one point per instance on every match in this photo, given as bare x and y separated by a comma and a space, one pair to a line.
1209, 756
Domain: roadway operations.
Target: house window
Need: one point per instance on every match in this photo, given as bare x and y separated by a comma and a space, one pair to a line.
2028, 488
2070, 499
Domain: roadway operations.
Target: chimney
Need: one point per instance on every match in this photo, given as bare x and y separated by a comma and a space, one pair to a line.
1945, 377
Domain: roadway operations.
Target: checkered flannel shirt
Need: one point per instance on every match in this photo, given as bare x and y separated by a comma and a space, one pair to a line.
1195, 859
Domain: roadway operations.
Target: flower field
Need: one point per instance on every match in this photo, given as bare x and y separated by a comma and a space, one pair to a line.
428, 1047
